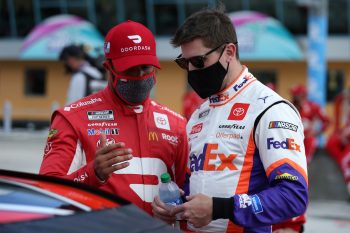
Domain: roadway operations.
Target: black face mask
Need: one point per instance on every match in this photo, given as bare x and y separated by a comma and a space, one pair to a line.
207, 81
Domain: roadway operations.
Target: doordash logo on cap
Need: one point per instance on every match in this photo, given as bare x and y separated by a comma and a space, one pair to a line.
130, 44
135, 38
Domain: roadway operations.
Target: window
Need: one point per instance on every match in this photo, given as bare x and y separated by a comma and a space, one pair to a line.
266, 7
294, 17
338, 17
165, 19
335, 83
35, 82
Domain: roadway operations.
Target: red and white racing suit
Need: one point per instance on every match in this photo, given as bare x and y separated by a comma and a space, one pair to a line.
338, 144
246, 145
311, 113
156, 135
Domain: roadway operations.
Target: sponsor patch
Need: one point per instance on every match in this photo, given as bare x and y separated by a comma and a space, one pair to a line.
212, 160
286, 176
109, 141
52, 132
196, 128
161, 120
228, 135
152, 136
233, 126
102, 124
106, 131
48, 148
172, 139
219, 98
244, 201
283, 125
204, 113
81, 177
100, 115
236, 87
264, 98
287, 144
238, 111
81, 104
257, 206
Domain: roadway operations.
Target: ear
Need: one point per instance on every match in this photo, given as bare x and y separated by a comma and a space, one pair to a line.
230, 51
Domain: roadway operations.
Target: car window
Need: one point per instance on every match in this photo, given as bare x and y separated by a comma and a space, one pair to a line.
24, 196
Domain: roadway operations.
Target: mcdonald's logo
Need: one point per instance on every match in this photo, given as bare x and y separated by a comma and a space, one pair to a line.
152, 136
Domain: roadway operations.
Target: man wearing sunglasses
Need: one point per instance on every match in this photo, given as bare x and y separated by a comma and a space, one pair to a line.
119, 139
247, 157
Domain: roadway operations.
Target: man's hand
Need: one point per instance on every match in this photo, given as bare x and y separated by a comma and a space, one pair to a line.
198, 211
110, 158
162, 211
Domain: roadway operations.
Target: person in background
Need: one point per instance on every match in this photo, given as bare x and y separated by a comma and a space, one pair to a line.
86, 78
119, 139
338, 143
247, 159
311, 114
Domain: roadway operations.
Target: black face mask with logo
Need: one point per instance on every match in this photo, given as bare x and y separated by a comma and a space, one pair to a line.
207, 81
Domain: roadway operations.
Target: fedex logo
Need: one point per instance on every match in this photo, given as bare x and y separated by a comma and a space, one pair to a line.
209, 160
219, 98
239, 86
288, 144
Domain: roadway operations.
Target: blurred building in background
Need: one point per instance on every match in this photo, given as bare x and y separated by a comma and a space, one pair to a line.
36, 85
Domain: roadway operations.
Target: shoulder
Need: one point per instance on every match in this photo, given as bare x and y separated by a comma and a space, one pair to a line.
89, 102
162, 109
91, 71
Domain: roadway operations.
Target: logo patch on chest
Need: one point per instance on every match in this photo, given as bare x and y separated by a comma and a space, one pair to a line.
161, 120
100, 115
238, 111
209, 160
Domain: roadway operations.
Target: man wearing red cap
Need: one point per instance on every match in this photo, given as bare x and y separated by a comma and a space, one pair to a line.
338, 143
119, 139
311, 114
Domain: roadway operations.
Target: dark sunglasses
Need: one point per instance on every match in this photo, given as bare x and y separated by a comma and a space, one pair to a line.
196, 61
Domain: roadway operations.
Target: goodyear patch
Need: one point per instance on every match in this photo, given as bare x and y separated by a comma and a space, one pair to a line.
286, 176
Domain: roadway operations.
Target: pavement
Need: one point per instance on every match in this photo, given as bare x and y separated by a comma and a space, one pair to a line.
329, 207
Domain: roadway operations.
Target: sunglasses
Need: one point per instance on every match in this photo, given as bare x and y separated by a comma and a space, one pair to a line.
196, 61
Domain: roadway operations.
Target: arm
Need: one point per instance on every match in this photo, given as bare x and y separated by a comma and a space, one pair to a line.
282, 154
324, 119
64, 156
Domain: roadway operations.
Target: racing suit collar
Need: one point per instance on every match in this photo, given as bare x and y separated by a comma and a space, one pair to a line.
233, 89
120, 105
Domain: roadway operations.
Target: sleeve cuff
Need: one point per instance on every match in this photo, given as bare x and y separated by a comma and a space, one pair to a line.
222, 208
94, 180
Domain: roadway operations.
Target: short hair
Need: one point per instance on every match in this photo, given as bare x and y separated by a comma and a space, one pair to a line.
213, 26
75, 51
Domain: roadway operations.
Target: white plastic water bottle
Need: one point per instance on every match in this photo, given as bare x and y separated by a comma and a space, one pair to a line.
169, 192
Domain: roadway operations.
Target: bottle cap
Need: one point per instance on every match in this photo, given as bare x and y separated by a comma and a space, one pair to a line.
165, 178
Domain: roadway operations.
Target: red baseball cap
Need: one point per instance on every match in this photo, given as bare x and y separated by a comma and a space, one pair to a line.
298, 90
130, 44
